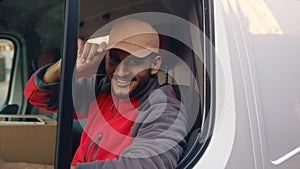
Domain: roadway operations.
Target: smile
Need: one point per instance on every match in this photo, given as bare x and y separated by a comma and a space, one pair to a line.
122, 83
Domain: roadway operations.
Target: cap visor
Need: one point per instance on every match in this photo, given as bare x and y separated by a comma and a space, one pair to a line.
131, 48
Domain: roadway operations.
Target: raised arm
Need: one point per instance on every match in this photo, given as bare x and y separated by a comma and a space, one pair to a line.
89, 57
42, 88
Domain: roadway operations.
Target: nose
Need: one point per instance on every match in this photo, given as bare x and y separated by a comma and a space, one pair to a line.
122, 70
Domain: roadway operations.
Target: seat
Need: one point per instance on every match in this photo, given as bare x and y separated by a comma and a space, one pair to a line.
191, 100
190, 148
9, 109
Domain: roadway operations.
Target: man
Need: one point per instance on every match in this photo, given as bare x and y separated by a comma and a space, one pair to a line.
132, 122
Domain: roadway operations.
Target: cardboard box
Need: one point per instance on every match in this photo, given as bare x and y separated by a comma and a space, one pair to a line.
28, 142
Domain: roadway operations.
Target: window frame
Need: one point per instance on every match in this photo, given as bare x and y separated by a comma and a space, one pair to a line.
205, 18
14, 68
204, 10
63, 153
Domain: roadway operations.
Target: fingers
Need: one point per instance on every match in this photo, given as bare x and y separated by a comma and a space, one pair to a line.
101, 47
90, 51
85, 52
80, 44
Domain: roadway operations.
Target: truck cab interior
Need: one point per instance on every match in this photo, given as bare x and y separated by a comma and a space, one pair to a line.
32, 34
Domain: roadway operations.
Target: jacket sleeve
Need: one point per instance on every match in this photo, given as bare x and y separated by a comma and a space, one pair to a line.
40, 94
86, 90
158, 135
45, 95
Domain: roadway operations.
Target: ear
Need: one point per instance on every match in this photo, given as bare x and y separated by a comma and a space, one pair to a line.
156, 64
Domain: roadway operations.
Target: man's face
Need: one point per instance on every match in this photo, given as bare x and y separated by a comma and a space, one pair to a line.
127, 73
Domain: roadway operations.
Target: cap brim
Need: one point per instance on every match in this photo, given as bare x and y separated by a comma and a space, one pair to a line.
131, 48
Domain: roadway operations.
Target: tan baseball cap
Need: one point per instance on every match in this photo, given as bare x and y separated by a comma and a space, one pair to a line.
134, 36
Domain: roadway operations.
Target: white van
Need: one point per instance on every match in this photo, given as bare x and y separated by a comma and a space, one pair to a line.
234, 64
257, 126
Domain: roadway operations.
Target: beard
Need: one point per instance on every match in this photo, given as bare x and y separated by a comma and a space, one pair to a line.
135, 87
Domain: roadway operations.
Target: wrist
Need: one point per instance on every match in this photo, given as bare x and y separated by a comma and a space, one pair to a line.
52, 74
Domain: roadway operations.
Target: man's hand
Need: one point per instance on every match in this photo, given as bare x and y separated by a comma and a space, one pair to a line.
89, 56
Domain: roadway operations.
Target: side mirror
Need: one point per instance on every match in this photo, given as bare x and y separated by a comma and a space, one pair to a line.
2, 68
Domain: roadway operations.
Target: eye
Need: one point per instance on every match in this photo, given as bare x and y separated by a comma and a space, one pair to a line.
114, 59
134, 61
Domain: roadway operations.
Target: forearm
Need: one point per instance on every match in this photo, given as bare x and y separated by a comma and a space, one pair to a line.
39, 93
52, 74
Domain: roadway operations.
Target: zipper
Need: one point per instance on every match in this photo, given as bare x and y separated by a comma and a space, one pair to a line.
116, 112
99, 138
114, 115
97, 145
89, 147
97, 142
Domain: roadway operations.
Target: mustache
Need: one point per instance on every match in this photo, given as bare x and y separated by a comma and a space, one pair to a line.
124, 78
